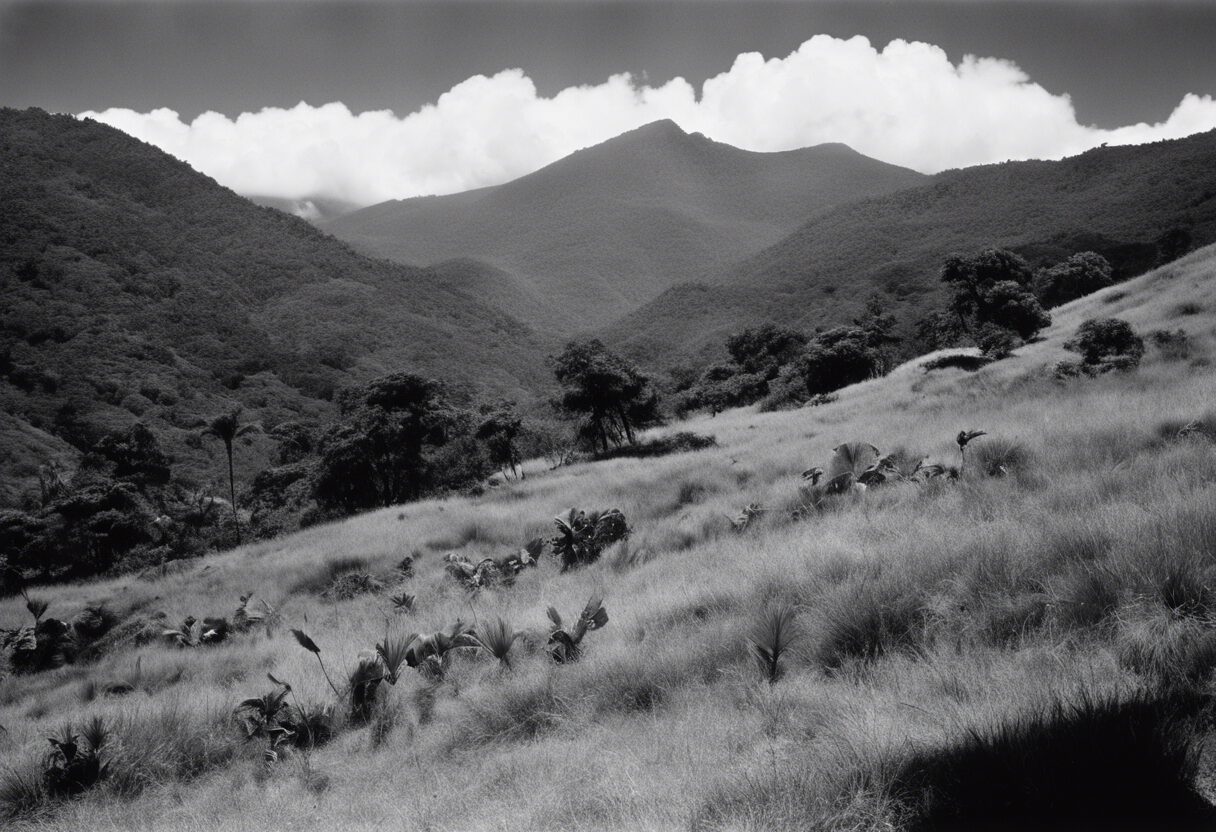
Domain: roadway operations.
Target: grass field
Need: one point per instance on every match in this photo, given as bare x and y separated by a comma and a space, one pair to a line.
1041, 637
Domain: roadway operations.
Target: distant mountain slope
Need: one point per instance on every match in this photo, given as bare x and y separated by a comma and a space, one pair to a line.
135, 287
1115, 200
604, 229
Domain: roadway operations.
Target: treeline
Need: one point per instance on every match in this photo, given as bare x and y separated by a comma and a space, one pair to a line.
404, 437
996, 302
398, 438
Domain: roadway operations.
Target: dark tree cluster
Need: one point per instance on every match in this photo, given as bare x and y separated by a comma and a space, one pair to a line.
610, 397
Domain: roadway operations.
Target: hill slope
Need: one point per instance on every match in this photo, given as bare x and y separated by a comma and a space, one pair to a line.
135, 287
1114, 200
928, 618
606, 228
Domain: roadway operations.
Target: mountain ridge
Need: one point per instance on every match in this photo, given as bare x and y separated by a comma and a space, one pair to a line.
599, 231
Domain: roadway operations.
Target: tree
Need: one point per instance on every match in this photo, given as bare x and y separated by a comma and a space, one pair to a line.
228, 428
500, 429
613, 397
993, 287
1079, 275
836, 358
375, 454
1173, 244
136, 456
1013, 307
765, 349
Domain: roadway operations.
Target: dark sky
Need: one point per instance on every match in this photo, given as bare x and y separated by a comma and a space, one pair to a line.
1122, 62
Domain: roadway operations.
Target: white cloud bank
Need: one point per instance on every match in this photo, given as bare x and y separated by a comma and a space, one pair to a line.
906, 104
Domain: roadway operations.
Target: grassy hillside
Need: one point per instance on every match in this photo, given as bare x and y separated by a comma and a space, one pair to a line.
1114, 200
136, 288
604, 229
1039, 635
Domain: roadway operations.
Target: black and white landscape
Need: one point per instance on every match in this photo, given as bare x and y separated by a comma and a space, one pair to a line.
607, 415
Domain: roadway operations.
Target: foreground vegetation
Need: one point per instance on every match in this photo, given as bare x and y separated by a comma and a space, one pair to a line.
1034, 635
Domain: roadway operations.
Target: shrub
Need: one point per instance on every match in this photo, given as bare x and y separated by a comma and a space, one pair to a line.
867, 618
999, 457
582, 537
352, 585
1106, 344
662, 446
75, 764
1169, 650
1173, 345
961, 361
996, 342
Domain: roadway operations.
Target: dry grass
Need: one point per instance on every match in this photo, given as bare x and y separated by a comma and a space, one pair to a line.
1072, 561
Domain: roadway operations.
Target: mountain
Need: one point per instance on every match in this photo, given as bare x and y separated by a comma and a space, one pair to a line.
1114, 200
596, 234
136, 288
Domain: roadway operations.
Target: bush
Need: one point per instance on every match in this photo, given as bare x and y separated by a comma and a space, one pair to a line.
865, 619
996, 342
1173, 345
998, 456
1106, 344
961, 361
662, 446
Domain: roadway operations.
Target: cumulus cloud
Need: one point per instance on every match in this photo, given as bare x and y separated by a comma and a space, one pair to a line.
906, 103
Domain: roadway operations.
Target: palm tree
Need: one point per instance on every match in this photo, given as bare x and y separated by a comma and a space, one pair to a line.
228, 428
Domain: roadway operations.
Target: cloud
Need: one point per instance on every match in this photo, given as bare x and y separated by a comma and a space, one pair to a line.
906, 103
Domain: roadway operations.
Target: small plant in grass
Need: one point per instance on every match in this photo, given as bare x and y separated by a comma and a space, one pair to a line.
582, 536
564, 643
311, 646
37, 606
432, 654
394, 654
496, 637
75, 763
21, 793
351, 585
1000, 457
771, 638
965, 438
1182, 591
748, 515
365, 682
259, 715
402, 602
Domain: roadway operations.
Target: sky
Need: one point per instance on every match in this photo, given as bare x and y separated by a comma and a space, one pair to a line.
365, 101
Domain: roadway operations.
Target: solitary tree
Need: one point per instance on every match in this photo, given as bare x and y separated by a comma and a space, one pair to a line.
610, 393
499, 429
228, 428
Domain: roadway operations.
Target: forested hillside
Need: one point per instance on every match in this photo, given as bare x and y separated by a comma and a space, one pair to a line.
605, 229
1118, 201
138, 289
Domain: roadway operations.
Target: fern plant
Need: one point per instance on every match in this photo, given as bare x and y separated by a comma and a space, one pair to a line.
771, 638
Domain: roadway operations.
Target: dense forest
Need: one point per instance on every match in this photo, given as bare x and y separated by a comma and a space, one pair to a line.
137, 289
